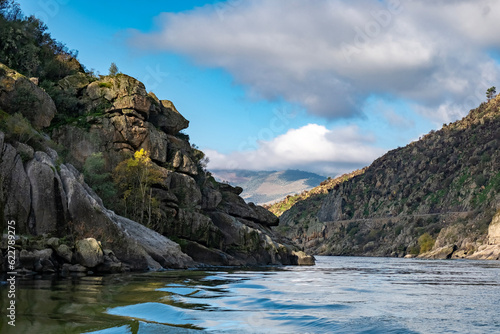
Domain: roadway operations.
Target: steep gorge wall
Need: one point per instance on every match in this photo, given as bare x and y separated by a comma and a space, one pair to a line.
446, 186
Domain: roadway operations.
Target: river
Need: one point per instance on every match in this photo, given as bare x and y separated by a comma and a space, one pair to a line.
338, 295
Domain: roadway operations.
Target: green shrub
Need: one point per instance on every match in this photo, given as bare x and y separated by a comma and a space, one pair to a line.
105, 85
426, 242
18, 128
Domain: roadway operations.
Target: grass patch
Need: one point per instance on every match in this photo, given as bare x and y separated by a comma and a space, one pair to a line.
105, 85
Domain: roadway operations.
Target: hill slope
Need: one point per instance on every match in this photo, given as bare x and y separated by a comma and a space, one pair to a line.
440, 192
263, 187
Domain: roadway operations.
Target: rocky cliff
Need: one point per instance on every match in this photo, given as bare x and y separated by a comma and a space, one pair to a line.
436, 197
45, 143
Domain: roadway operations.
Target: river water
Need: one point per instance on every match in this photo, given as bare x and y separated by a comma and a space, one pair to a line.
338, 295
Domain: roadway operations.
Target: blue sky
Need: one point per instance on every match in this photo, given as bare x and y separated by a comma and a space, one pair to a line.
323, 85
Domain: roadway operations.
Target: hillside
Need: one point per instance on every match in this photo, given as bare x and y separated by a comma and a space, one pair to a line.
439, 193
264, 187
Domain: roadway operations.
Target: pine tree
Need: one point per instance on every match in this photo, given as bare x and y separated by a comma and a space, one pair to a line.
113, 69
491, 92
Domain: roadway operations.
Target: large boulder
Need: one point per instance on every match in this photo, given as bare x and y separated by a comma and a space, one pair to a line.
19, 94
89, 252
120, 92
441, 253
211, 199
166, 117
303, 259
74, 82
186, 190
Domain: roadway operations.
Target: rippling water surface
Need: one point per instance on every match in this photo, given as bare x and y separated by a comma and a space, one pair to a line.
338, 295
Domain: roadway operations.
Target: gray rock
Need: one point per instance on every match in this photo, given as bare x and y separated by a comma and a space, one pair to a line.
167, 118
442, 253
74, 82
25, 151
53, 243
111, 263
44, 261
264, 216
193, 225
65, 252
210, 256
303, 259
186, 190
89, 253
48, 198
77, 268
184, 164
224, 187
211, 199
156, 144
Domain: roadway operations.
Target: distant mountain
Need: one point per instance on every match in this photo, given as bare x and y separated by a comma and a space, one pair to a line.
264, 187
437, 197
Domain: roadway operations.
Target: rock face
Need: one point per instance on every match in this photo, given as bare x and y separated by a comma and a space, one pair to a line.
19, 94
494, 230
441, 192
45, 194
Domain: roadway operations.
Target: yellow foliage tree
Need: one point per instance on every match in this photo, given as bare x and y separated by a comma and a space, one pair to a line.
134, 178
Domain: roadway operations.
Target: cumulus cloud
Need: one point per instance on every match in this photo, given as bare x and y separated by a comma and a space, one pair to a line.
329, 56
312, 147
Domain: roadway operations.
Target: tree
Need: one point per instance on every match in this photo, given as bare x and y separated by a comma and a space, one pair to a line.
113, 69
491, 92
135, 177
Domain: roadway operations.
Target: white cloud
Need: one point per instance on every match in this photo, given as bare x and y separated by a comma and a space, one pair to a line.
312, 147
330, 55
